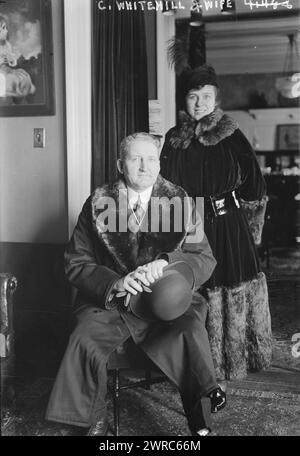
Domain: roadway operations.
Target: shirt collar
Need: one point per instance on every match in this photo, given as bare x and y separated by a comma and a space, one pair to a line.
145, 196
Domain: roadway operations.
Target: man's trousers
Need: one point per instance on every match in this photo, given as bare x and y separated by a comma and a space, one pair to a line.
180, 348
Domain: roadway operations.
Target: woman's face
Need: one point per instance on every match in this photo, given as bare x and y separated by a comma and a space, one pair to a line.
201, 102
3, 31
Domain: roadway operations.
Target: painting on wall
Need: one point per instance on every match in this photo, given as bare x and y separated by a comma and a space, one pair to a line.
26, 58
288, 137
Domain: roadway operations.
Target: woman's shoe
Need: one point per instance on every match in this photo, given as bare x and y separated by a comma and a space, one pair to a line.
217, 399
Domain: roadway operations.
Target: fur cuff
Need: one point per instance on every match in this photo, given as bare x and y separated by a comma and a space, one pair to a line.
255, 212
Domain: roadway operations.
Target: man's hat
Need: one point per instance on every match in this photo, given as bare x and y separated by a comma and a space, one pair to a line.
171, 294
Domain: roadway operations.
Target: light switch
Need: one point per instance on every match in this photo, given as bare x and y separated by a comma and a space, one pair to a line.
39, 137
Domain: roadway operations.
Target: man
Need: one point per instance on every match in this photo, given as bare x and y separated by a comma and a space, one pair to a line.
136, 281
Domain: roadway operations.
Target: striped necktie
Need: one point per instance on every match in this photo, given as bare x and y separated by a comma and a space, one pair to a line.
138, 210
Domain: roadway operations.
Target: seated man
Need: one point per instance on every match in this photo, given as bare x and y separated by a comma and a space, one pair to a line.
135, 278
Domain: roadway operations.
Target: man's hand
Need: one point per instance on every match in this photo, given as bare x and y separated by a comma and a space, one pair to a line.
143, 275
132, 282
154, 270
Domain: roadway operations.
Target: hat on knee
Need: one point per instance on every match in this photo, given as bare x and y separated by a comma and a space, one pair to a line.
171, 294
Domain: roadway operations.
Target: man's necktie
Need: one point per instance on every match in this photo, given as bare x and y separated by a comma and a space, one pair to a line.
139, 211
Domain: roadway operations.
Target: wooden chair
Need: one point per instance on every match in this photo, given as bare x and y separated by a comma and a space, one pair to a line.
129, 356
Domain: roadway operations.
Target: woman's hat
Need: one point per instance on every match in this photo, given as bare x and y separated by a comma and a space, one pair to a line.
198, 77
171, 294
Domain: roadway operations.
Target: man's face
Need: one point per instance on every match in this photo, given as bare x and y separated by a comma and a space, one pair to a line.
201, 102
140, 166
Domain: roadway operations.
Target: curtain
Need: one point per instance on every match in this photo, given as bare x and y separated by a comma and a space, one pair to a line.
119, 86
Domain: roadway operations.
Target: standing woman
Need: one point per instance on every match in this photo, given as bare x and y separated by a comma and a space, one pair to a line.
209, 157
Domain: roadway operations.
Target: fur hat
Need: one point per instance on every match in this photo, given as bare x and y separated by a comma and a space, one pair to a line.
194, 79
171, 294
198, 77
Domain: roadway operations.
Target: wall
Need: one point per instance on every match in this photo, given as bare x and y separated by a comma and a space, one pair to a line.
33, 181
260, 125
250, 46
241, 51
34, 225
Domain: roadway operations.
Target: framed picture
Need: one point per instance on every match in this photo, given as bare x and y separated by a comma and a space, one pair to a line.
288, 137
26, 58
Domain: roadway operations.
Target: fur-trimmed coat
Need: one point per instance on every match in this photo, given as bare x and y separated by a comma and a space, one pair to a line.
211, 157
95, 259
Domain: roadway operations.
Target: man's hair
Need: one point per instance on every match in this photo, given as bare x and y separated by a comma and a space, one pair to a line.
140, 136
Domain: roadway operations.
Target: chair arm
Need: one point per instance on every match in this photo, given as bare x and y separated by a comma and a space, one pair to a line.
8, 285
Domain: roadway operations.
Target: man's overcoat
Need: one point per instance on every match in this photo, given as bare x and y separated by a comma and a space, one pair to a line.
95, 259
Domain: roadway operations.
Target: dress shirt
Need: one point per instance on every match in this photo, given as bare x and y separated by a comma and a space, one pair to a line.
144, 195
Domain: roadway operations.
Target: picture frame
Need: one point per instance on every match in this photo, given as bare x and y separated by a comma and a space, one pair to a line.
288, 137
26, 58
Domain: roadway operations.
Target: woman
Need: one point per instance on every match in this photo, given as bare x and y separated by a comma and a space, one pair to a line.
209, 156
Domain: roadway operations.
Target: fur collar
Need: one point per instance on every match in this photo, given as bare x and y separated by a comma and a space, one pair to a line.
209, 131
127, 249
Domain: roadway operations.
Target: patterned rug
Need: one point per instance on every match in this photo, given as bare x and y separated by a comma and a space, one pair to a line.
262, 407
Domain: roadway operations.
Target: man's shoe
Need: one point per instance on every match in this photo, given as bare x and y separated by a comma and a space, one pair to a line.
99, 429
217, 399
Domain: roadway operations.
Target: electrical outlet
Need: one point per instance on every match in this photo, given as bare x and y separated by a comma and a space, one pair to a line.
39, 137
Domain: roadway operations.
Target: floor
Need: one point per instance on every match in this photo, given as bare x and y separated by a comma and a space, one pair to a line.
266, 403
